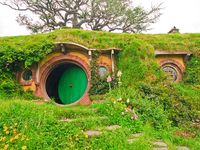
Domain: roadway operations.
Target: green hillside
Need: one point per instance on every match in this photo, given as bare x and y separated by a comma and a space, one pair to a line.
166, 111
98, 39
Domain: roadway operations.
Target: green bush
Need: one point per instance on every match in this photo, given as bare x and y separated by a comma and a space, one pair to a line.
8, 85
191, 75
178, 101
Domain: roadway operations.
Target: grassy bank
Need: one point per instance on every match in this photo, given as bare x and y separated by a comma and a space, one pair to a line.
166, 111
31, 125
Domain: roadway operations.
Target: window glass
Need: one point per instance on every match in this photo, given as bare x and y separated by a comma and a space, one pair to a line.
172, 73
27, 75
103, 71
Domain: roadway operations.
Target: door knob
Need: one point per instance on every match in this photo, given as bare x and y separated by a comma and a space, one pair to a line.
70, 85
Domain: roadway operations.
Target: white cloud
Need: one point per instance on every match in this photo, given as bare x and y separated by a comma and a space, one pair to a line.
8, 24
183, 14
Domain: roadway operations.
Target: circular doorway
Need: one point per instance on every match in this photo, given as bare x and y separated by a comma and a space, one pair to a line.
66, 83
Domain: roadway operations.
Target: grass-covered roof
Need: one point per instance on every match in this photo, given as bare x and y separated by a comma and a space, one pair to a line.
98, 39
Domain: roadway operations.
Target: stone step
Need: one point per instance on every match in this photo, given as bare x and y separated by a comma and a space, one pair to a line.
160, 148
113, 127
159, 144
134, 137
38, 102
182, 148
98, 101
66, 120
93, 109
92, 133
83, 118
130, 141
98, 132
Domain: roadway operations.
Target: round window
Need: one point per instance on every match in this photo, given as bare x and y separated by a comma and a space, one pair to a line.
27, 75
103, 71
172, 72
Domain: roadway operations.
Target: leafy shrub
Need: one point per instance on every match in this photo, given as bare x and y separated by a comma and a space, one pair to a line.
181, 104
8, 85
152, 112
192, 71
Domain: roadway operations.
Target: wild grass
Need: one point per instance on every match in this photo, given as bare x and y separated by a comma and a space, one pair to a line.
26, 124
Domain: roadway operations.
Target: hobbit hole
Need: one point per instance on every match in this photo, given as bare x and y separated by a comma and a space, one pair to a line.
65, 74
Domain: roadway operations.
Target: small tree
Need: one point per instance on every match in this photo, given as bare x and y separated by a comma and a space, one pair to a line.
109, 15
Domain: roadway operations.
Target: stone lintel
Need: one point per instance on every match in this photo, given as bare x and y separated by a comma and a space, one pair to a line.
172, 52
76, 46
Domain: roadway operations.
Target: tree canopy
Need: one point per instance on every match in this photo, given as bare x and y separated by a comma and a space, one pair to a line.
108, 15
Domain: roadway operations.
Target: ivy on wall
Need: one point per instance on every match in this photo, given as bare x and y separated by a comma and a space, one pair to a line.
99, 85
20, 54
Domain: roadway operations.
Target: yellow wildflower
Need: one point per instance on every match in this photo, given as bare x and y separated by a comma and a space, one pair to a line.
5, 128
6, 147
2, 139
7, 132
86, 136
12, 139
24, 147
14, 131
16, 136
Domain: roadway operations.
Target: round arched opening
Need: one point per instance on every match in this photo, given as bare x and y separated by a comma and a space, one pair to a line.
66, 83
172, 71
27, 75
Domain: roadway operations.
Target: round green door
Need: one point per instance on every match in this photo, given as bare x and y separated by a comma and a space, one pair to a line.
72, 84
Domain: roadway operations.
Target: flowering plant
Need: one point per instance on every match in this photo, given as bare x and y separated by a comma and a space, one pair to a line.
109, 79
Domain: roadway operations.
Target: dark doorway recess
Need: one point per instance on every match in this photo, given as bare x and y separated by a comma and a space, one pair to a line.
66, 83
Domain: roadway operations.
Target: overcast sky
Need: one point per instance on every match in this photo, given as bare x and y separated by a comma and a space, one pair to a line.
184, 14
